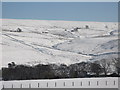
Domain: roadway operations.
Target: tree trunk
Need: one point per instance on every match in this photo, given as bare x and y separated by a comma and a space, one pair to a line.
105, 73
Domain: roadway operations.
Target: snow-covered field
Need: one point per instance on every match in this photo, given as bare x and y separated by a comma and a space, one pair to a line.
43, 41
58, 42
64, 83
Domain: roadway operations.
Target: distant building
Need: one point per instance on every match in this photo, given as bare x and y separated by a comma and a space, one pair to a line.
87, 27
19, 30
75, 29
45, 32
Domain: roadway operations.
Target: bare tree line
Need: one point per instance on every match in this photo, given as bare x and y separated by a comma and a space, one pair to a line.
101, 68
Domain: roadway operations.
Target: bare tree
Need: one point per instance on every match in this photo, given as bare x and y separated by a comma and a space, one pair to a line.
116, 63
105, 65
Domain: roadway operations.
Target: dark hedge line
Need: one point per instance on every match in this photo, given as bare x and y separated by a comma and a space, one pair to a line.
52, 71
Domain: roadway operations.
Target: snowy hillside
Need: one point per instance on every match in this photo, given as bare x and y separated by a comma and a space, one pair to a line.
57, 42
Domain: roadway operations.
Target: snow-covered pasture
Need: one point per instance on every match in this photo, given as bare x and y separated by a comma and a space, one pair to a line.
43, 41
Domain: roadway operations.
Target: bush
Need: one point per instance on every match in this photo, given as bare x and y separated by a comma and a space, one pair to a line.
96, 68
